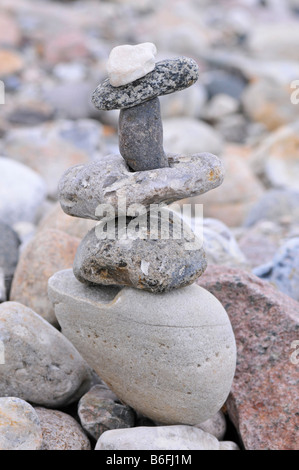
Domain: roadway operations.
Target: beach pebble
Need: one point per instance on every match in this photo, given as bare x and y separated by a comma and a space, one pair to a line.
9, 253
41, 365
48, 252
215, 425
141, 136
266, 336
128, 63
275, 205
100, 410
19, 425
276, 159
157, 438
153, 262
61, 431
283, 270
22, 191
187, 136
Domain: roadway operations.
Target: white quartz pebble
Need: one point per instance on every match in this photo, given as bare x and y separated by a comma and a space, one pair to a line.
128, 63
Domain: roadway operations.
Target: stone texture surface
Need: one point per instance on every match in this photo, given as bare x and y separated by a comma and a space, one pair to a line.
108, 181
9, 252
19, 425
41, 365
283, 271
128, 63
169, 356
60, 431
155, 265
215, 425
263, 403
157, 438
48, 252
26, 191
141, 136
100, 410
167, 77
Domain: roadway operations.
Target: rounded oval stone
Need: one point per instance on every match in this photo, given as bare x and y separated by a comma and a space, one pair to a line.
39, 364
19, 425
169, 356
61, 431
152, 264
168, 76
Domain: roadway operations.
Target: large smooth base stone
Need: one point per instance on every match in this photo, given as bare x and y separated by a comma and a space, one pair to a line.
169, 356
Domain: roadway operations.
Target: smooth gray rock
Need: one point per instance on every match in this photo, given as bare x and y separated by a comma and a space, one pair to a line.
9, 253
141, 136
41, 365
155, 265
168, 76
283, 271
22, 191
169, 356
19, 425
108, 180
157, 438
215, 425
100, 410
61, 431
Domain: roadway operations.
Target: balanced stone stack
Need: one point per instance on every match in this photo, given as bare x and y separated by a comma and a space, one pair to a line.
130, 305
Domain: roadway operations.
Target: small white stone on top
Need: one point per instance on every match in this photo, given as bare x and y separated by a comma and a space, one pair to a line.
128, 63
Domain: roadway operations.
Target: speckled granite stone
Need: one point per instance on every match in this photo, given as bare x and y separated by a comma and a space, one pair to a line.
168, 76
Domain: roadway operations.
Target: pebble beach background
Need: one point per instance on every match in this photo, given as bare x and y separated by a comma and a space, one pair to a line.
245, 109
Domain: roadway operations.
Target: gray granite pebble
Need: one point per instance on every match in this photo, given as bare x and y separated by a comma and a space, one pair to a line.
168, 76
100, 410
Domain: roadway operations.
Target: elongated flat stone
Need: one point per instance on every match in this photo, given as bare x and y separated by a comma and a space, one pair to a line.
167, 77
108, 180
141, 136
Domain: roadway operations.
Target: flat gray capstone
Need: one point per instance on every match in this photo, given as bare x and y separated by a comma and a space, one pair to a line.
108, 180
170, 356
141, 136
155, 265
168, 76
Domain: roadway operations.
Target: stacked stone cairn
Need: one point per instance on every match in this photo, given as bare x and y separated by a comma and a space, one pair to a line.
130, 305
